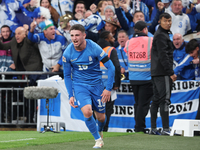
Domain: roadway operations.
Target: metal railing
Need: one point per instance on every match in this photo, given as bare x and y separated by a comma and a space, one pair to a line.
14, 108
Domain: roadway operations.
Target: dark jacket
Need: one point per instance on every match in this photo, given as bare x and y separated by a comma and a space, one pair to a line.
162, 54
28, 52
114, 58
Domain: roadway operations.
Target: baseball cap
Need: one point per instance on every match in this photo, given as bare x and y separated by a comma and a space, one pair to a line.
140, 25
46, 24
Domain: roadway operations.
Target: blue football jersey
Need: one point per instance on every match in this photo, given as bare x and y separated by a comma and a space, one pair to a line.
85, 64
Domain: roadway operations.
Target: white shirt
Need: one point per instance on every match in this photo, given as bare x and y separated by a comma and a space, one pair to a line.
180, 23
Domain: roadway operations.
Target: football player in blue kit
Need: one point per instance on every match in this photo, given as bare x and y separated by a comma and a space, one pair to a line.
81, 68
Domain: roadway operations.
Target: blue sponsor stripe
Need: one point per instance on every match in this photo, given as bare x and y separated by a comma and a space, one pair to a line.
129, 122
184, 96
125, 100
54, 106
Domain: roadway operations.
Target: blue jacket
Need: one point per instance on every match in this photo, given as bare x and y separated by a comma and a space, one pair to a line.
182, 63
123, 59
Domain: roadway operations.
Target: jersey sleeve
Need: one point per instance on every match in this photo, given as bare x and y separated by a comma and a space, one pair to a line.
34, 37
64, 46
67, 74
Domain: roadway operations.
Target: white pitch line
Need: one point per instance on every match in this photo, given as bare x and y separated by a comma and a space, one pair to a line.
17, 140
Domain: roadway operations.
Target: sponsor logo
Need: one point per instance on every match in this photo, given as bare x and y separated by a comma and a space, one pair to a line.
64, 59
73, 59
90, 58
101, 109
102, 53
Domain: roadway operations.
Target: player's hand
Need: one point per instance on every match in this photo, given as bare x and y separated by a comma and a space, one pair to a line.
106, 96
71, 102
173, 77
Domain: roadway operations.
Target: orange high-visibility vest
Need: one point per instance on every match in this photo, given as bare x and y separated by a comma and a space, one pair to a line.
108, 51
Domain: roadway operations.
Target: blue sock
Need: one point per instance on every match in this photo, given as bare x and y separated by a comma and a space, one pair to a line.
101, 124
91, 124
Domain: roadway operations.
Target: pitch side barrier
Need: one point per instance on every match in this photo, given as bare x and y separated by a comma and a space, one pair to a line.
14, 108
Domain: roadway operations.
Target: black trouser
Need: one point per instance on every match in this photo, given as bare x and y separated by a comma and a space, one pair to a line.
109, 111
143, 95
198, 111
162, 86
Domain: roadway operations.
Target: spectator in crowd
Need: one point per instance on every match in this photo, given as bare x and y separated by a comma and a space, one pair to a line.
31, 5
122, 38
139, 62
92, 22
184, 70
88, 3
137, 5
167, 4
62, 6
6, 63
101, 6
162, 74
80, 9
64, 25
87, 82
40, 14
25, 53
106, 42
109, 11
110, 2
192, 48
112, 26
50, 44
180, 21
139, 15
54, 14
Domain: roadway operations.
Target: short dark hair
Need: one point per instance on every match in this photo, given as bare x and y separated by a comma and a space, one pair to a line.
165, 15
191, 46
78, 27
80, 2
104, 34
5, 26
122, 31
48, 1
137, 11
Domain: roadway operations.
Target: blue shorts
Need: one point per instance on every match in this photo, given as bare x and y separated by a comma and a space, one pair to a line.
85, 94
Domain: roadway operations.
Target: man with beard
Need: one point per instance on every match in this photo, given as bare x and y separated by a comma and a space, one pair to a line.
6, 63
51, 45
106, 41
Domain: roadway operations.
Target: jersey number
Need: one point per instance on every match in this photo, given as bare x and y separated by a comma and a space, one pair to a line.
82, 67
101, 104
